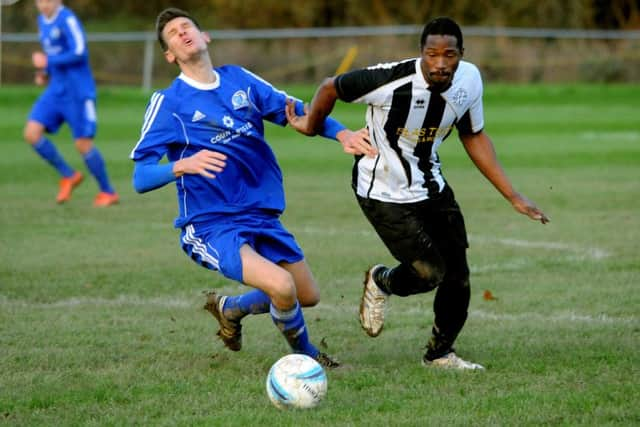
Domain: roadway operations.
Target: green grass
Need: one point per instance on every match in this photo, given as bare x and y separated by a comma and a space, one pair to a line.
100, 311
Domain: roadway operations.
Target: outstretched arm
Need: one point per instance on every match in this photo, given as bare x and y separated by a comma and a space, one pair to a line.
149, 174
481, 151
314, 120
321, 106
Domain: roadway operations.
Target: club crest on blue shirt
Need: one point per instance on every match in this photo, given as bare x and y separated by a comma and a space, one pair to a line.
54, 33
227, 121
240, 100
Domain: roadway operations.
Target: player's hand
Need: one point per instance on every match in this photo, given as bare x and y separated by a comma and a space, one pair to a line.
357, 142
41, 78
299, 123
39, 60
528, 208
205, 162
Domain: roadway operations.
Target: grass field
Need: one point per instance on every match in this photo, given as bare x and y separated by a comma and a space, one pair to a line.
101, 319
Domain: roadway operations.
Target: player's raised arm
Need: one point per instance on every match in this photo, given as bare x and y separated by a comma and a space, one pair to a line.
312, 122
481, 151
353, 142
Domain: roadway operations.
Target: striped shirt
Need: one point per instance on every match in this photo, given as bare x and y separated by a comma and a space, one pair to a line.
407, 123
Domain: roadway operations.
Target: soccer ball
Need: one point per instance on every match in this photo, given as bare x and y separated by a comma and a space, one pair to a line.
296, 381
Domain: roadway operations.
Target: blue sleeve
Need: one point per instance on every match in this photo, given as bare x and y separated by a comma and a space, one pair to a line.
158, 131
76, 40
268, 100
272, 103
331, 126
149, 174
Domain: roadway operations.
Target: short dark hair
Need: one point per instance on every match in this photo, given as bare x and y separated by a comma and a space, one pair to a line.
442, 26
167, 15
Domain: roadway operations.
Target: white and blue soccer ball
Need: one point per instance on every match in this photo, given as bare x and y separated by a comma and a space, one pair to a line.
296, 381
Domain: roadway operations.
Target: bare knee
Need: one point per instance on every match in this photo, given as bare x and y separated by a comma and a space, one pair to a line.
282, 290
84, 145
310, 298
33, 132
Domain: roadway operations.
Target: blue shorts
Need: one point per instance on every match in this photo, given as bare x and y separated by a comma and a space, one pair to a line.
52, 111
216, 244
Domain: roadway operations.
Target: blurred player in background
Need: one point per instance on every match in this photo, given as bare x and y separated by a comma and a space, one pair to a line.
70, 97
413, 106
210, 125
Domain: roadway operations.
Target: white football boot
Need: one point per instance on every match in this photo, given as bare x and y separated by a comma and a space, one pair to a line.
452, 361
372, 304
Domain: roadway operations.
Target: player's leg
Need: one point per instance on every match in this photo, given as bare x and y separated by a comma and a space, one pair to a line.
34, 136
451, 302
210, 246
257, 301
45, 117
308, 296
402, 229
421, 268
236, 307
306, 286
228, 247
450, 307
82, 120
279, 284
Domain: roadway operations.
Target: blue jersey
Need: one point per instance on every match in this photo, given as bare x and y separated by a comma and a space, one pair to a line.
225, 116
63, 40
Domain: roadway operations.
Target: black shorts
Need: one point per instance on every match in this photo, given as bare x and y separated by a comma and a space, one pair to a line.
411, 230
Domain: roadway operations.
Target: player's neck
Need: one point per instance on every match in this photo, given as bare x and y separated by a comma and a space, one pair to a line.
200, 71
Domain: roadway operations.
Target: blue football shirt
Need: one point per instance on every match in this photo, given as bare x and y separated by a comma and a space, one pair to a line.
225, 116
63, 40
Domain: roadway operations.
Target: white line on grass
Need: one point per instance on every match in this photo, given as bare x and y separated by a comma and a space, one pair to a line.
603, 136
195, 303
119, 301
576, 252
555, 317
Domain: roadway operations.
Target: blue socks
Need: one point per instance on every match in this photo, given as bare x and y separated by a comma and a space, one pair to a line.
95, 163
252, 302
93, 159
291, 324
50, 153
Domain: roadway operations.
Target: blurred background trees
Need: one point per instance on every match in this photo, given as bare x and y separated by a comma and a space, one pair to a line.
309, 59
241, 14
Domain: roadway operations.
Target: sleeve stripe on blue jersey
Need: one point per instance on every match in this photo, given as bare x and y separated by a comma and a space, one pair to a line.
152, 112
264, 81
149, 117
150, 108
77, 35
184, 132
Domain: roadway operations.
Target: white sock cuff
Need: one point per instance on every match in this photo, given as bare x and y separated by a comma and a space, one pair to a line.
284, 314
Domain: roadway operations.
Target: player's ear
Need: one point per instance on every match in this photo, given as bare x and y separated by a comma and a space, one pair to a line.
170, 57
206, 37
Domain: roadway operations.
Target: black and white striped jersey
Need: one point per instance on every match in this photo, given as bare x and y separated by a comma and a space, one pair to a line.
407, 123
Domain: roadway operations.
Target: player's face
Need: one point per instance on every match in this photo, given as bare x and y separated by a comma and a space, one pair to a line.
48, 7
440, 59
184, 40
